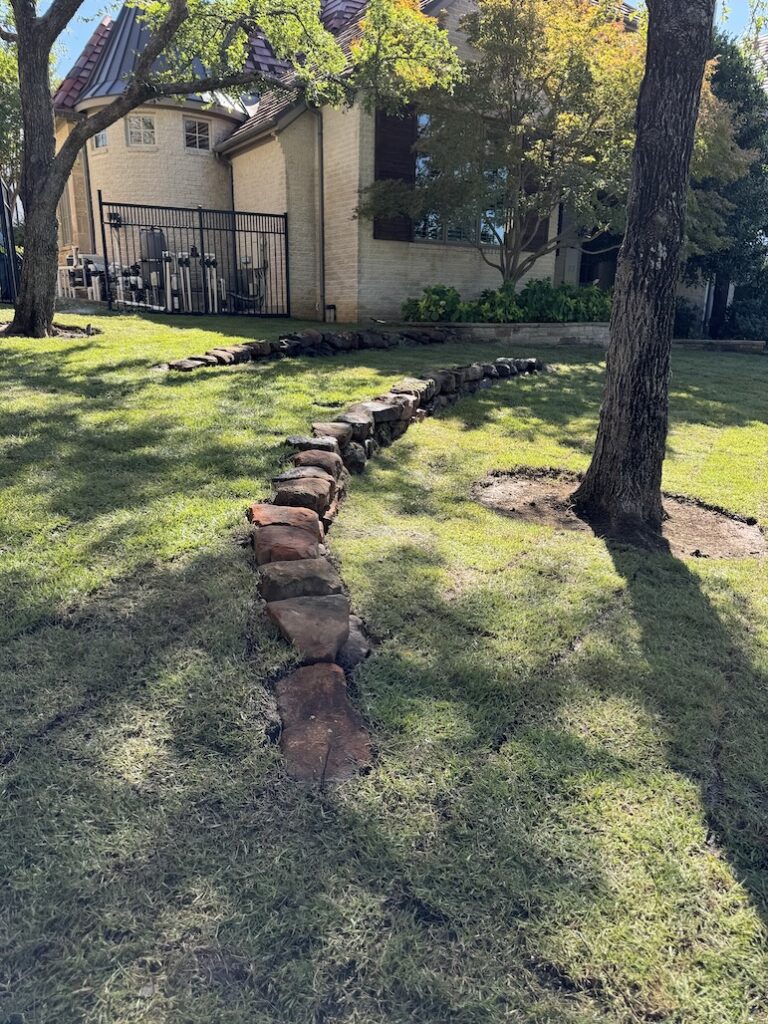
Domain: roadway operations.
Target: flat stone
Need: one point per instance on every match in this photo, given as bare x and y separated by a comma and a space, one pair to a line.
223, 356
206, 359
360, 421
324, 444
259, 349
311, 493
306, 473
266, 514
323, 737
354, 457
341, 431
241, 353
422, 389
344, 341
283, 544
357, 648
445, 380
328, 461
489, 370
185, 365
503, 369
407, 403
382, 411
317, 626
475, 371
308, 577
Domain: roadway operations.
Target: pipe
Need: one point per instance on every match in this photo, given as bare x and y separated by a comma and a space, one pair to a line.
321, 175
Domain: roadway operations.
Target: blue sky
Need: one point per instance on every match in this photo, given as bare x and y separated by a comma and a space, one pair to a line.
75, 37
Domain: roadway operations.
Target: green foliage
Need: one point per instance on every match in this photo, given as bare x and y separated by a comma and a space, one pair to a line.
687, 319
538, 302
734, 216
747, 316
543, 116
10, 119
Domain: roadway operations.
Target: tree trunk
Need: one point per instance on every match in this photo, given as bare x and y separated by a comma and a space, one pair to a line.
621, 491
40, 189
719, 304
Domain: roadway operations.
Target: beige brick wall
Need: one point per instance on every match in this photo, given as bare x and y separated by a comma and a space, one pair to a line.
390, 272
167, 174
342, 194
79, 230
279, 174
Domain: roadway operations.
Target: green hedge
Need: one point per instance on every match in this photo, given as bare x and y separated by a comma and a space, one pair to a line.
537, 302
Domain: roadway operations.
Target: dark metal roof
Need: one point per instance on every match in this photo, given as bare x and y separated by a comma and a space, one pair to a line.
127, 37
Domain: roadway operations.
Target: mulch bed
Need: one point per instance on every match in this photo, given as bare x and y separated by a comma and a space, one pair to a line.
692, 529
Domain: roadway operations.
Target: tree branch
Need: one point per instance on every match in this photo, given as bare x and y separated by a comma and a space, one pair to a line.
7, 36
56, 19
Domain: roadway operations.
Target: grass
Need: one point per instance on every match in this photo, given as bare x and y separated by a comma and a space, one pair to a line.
567, 818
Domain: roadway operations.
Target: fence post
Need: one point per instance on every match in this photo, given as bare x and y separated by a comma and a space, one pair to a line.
287, 267
203, 275
107, 288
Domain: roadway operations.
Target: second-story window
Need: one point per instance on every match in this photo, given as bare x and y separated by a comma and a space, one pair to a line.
197, 134
141, 130
100, 139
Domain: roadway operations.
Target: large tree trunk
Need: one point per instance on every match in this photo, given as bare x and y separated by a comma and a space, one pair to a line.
719, 304
621, 491
41, 188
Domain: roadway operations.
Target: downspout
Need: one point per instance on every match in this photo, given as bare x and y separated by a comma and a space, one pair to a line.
321, 204
89, 197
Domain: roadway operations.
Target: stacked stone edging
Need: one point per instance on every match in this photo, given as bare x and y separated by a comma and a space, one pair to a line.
324, 739
310, 343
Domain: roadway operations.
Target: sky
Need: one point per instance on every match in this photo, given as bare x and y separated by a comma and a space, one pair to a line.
75, 37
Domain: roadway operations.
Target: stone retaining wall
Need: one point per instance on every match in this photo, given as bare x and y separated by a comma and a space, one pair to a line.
323, 737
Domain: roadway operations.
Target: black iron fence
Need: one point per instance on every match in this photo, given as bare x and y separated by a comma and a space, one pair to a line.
9, 267
169, 259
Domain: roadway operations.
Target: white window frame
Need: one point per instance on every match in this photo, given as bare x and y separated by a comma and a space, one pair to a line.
140, 131
197, 122
99, 141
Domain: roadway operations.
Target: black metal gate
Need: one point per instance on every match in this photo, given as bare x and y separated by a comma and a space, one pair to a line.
9, 269
172, 259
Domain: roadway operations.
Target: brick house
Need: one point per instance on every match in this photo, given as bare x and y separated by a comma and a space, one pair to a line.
274, 155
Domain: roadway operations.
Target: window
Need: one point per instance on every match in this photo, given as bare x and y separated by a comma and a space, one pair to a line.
141, 130
99, 140
197, 134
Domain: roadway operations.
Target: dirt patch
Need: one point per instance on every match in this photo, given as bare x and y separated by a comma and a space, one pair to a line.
691, 529
61, 331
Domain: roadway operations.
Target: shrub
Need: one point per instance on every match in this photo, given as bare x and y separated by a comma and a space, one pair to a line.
438, 303
747, 318
686, 319
537, 302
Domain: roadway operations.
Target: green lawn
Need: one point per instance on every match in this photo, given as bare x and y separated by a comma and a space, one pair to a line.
568, 817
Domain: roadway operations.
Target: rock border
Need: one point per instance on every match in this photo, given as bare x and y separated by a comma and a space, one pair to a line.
309, 343
323, 737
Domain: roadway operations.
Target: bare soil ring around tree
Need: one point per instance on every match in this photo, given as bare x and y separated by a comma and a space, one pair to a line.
692, 529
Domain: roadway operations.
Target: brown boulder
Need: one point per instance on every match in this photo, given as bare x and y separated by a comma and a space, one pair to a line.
360, 421
312, 493
306, 473
283, 544
265, 514
341, 431
323, 737
328, 461
316, 626
325, 444
310, 577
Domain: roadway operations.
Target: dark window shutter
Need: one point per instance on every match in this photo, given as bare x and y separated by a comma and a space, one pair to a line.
394, 159
540, 232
